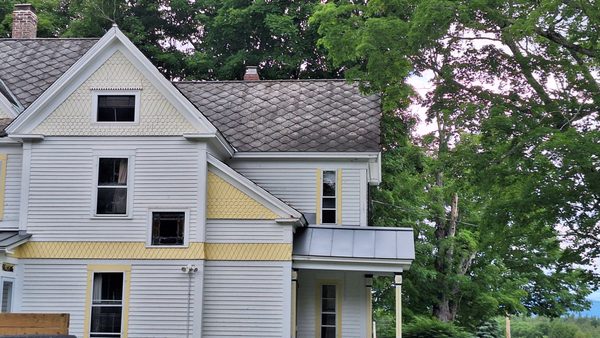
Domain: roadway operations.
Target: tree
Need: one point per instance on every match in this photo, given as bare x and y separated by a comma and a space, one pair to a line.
510, 197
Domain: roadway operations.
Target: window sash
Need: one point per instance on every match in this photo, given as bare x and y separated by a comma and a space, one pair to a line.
99, 303
331, 198
179, 218
325, 310
119, 187
6, 296
116, 108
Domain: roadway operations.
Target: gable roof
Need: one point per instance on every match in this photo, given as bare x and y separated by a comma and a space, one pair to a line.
30, 66
289, 115
254, 116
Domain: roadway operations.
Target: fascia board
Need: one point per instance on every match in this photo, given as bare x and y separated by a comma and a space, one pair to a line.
350, 264
307, 155
275, 203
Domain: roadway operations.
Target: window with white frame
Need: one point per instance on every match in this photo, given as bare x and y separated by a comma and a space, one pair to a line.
112, 186
168, 228
116, 106
6, 297
329, 311
329, 197
107, 304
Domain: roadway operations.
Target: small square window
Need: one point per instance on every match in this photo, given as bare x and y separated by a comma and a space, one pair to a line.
116, 108
168, 228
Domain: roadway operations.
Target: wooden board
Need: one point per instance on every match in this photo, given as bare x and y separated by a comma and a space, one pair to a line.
34, 323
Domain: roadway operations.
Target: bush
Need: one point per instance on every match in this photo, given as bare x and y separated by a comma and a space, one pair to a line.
423, 327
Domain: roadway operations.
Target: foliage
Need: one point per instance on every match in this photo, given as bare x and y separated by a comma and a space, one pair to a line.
568, 327
424, 327
488, 329
510, 175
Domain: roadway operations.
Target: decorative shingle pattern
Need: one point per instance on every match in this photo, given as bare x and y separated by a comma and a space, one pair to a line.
158, 117
29, 66
3, 124
289, 116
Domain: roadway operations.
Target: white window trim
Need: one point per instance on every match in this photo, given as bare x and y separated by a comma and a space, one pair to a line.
130, 172
12, 296
337, 221
94, 108
186, 228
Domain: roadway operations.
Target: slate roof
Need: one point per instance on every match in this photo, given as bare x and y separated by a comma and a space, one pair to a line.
29, 66
289, 115
3, 124
254, 116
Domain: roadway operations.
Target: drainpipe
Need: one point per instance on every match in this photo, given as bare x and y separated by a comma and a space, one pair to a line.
398, 285
190, 270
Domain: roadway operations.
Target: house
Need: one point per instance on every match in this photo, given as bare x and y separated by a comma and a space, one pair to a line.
149, 208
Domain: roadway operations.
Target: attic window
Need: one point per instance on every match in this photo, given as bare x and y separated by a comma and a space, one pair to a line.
116, 108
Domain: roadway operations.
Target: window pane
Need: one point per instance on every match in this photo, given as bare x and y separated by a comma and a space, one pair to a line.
328, 291
328, 216
112, 201
7, 287
329, 203
108, 288
106, 319
112, 171
328, 319
328, 305
168, 228
328, 332
116, 108
329, 178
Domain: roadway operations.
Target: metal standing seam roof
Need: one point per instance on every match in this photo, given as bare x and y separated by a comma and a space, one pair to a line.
10, 239
355, 242
254, 116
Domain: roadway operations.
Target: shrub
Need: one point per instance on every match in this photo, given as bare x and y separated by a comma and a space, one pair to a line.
423, 327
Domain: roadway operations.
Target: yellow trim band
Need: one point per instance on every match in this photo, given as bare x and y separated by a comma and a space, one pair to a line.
138, 250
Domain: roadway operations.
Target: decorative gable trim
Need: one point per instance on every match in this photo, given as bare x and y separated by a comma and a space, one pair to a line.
283, 212
114, 40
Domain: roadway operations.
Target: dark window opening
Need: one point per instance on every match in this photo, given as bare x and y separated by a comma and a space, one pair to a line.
107, 304
329, 197
168, 228
116, 108
328, 311
112, 186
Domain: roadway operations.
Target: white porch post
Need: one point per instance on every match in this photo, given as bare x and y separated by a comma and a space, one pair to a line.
398, 285
294, 301
369, 288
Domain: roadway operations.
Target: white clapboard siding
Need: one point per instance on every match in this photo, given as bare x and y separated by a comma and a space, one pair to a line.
165, 174
351, 195
12, 191
55, 288
297, 186
247, 231
246, 299
353, 306
159, 301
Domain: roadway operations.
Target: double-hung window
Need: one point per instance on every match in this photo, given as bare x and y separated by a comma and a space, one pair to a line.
6, 297
107, 304
112, 186
329, 197
329, 311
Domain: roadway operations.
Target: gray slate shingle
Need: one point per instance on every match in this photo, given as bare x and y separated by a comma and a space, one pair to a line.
290, 115
30, 66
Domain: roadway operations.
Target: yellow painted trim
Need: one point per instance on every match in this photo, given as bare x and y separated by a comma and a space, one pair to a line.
339, 301
319, 180
225, 201
338, 196
138, 250
248, 251
3, 159
106, 250
369, 312
91, 268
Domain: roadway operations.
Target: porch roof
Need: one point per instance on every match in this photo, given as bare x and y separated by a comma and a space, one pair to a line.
383, 249
12, 239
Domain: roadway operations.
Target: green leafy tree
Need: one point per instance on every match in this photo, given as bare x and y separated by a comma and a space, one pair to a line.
507, 208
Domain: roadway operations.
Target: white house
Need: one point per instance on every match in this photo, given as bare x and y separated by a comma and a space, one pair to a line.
149, 208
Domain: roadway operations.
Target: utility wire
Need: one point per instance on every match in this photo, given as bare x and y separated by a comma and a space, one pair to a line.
407, 210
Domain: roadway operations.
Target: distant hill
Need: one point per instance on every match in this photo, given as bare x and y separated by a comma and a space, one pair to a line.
593, 312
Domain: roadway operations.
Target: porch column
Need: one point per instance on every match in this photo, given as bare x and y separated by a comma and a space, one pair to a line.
369, 288
294, 301
398, 285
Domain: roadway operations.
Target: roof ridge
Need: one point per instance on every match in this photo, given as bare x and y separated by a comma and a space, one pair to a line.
47, 39
259, 81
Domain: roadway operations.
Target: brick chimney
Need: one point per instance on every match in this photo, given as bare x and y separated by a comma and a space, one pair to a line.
24, 22
251, 74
